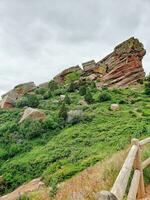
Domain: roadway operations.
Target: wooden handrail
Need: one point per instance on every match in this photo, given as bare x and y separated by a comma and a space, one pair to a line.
121, 182
133, 160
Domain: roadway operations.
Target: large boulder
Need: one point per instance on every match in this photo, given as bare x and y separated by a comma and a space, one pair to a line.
20, 90
7, 102
60, 78
33, 114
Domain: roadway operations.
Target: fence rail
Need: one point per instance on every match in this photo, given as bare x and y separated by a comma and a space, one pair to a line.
132, 161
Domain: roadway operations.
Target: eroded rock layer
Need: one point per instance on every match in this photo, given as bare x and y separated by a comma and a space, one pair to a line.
124, 65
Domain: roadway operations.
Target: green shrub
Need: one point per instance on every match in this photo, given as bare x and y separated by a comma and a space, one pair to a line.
67, 100
72, 87
82, 90
41, 91
23, 197
50, 123
63, 112
88, 97
30, 100
72, 77
147, 88
48, 95
22, 102
53, 86
104, 96
31, 129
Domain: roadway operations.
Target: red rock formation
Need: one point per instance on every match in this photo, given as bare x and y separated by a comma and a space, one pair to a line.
124, 65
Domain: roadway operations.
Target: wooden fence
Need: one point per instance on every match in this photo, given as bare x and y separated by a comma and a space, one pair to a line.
133, 161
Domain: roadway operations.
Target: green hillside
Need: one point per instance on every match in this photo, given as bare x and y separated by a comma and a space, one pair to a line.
57, 149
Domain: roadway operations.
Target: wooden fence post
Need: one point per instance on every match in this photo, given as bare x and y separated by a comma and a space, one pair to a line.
138, 166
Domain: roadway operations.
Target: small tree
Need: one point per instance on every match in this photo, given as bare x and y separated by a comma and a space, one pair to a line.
63, 112
67, 99
53, 85
72, 87
48, 95
33, 101
147, 88
82, 90
104, 96
88, 97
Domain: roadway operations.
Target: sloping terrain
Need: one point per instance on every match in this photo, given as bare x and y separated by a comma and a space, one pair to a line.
56, 149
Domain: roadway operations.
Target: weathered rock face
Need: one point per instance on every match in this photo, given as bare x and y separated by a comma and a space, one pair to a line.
33, 114
124, 65
10, 97
7, 102
60, 78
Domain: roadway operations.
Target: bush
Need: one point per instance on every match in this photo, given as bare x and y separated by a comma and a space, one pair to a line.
72, 77
41, 91
147, 88
22, 102
72, 87
104, 96
53, 85
48, 95
31, 129
29, 100
67, 100
63, 112
88, 97
33, 101
82, 90
50, 123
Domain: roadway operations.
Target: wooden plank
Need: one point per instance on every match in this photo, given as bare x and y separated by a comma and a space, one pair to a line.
145, 141
138, 166
146, 163
121, 182
134, 185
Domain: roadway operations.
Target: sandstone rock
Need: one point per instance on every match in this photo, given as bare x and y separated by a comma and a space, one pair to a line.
33, 114
43, 85
7, 102
62, 97
114, 106
24, 88
92, 77
124, 64
60, 78
72, 114
89, 66
20, 90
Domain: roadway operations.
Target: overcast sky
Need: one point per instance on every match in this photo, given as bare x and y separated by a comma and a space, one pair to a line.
39, 38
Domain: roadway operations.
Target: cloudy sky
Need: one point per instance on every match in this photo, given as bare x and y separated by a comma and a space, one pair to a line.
39, 38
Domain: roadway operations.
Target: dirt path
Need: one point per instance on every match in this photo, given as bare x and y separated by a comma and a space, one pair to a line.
26, 188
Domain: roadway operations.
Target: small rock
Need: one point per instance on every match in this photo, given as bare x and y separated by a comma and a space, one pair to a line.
62, 97
83, 103
72, 114
114, 106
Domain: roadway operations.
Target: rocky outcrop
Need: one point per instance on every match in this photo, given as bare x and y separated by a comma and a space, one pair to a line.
124, 65
20, 90
60, 78
32, 114
7, 102
10, 97
43, 85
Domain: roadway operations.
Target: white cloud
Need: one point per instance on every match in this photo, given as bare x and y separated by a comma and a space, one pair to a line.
40, 38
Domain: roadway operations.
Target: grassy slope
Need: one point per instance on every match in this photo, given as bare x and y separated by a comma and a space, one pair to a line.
58, 155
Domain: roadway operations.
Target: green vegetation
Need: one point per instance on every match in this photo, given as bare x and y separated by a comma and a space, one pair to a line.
55, 149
